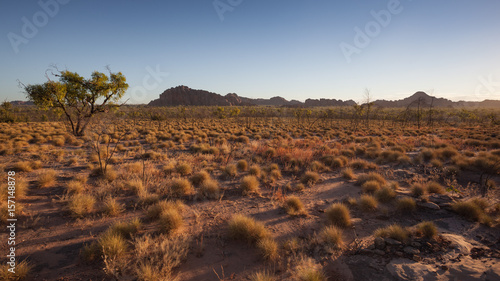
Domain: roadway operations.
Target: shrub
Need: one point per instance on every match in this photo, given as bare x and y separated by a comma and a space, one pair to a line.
200, 178
370, 186
339, 215
434, 187
230, 171
170, 220
126, 229
406, 204
367, 203
22, 166
112, 244
268, 248
22, 271
275, 175
113, 208
242, 165
154, 211
417, 190
210, 189
472, 210
262, 276
309, 178
372, 176
308, 270
393, 231
332, 236
183, 169
81, 205
426, 229
385, 194
245, 228
136, 186
294, 206
348, 174
250, 184
255, 170
181, 187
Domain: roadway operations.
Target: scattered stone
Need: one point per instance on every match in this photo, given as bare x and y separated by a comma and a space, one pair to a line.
405, 269
379, 252
399, 253
429, 205
379, 243
411, 251
392, 242
366, 252
416, 244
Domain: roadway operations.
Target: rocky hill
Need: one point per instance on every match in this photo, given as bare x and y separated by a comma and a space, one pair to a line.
183, 95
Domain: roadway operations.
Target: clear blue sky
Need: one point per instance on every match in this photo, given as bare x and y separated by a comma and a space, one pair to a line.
256, 48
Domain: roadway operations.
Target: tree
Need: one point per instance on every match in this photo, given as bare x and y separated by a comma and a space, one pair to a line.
79, 99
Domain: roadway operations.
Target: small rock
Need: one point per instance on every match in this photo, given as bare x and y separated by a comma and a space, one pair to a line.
416, 244
411, 251
392, 242
379, 243
371, 247
399, 253
429, 205
417, 258
365, 252
444, 267
379, 252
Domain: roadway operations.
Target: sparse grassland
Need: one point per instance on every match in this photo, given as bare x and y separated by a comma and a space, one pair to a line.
277, 191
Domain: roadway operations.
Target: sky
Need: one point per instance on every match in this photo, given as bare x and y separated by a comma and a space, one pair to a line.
296, 49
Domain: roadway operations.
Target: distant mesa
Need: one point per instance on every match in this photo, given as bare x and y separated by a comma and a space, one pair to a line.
183, 95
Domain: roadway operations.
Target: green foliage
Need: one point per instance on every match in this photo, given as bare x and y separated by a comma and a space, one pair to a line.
79, 99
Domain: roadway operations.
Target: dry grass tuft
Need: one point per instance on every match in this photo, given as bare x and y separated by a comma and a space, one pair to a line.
245, 228
308, 270
309, 178
294, 207
370, 186
113, 208
372, 176
393, 231
348, 174
406, 205
81, 205
385, 194
181, 187
47, 178
332, 236
268, 248
367, 203
338, 214
426, 229
249, 185
170, 220
418, 190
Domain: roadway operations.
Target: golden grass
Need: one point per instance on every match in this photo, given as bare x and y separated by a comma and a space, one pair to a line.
367, 203
268, 248
308, 269
250, 185
426, 229
393, 231
406, 204
81, 205
247, 229
209, 189
332, 236
47, 178
309, 178
338, 214
294, 206
181, 187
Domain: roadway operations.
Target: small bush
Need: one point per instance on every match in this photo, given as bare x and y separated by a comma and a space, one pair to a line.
181, 187
22, 166
262, 276
255, 170
268, 248
126, 229
113, 208
417, 190
426, 229
199, 178
385, 194
294, 206
170, 220
470, 210
367, 203
81, 205
183, 169
22, 271
242, 165
112, 244
309, 178
406, 205
332, 236
247, 229
348, 174
154, 211
250, 184
308, 270
372, 176
392, 231
339, 215
74, 186
434, 187
370, 186
230, 171
210, 189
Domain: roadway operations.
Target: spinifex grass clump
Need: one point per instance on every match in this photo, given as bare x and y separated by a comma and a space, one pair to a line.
338, 214
245, 228
473, 209
249, 185
294, 206
393, 231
